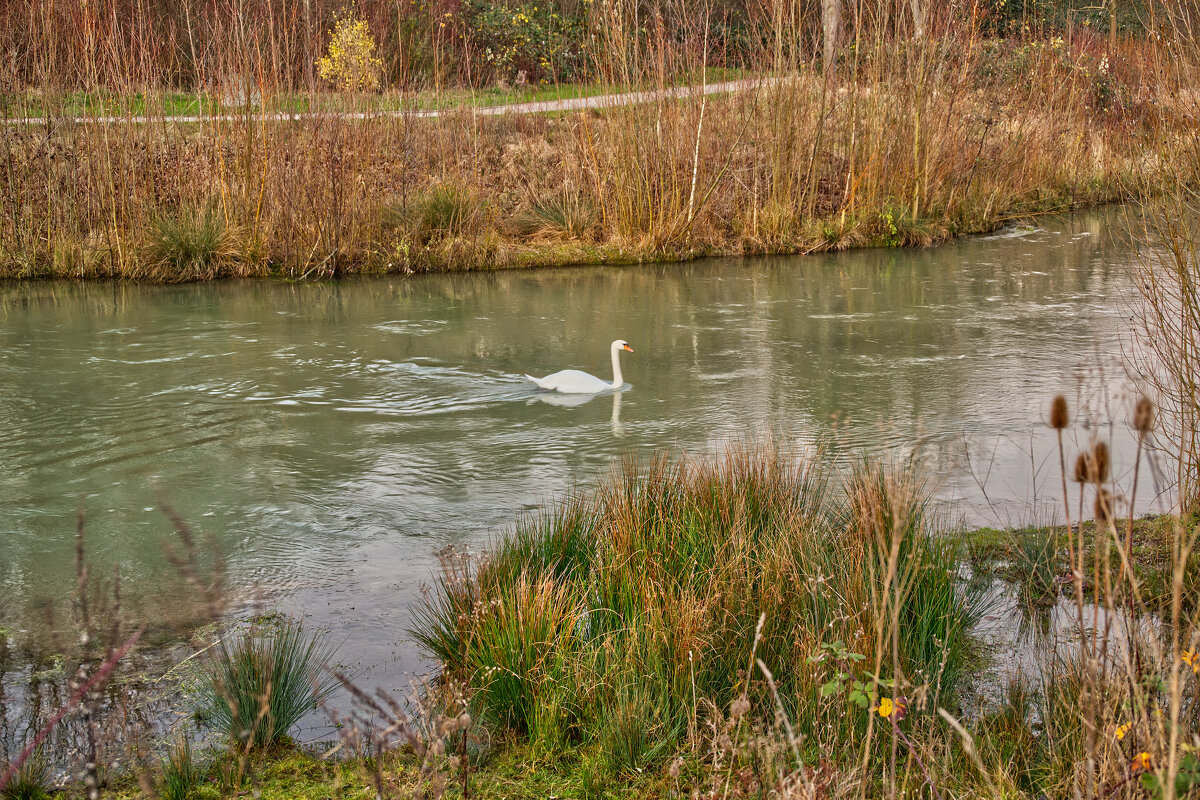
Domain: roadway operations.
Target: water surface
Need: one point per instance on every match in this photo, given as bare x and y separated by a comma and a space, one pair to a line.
332, 438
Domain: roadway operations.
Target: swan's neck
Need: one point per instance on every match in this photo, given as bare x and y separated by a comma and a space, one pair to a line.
618, 381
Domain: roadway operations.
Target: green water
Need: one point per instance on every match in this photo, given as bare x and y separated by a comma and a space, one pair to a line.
331, 438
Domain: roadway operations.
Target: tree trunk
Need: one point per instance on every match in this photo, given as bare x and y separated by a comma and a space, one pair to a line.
918, 15
1112, 27
831, 24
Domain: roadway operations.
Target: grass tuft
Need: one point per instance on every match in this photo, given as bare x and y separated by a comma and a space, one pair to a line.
188, 246
444, 211
569, 217
181, 773
32, 781
257, 688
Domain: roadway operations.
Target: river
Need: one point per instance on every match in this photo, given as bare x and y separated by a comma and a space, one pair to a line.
331, 438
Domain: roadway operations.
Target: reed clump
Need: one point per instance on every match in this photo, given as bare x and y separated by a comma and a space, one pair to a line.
258, 686
616, 619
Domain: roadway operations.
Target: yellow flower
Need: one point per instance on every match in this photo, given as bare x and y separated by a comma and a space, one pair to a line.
888, 707
1141, 763
1192, 659
1120, 731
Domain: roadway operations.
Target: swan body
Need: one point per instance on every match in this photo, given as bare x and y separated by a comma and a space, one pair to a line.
573, 381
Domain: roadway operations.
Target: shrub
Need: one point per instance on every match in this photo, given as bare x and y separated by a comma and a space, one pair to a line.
529, 38
349, 62
258, 687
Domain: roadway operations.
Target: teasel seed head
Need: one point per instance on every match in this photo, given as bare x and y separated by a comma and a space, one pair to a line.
1143, 415
1081, 468
1103, 509
1099, 463
1059, 418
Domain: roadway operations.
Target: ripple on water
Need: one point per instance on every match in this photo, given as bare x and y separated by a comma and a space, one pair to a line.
338, 444
411, 327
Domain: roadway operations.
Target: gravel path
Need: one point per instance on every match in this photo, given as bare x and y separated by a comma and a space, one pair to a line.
540, 107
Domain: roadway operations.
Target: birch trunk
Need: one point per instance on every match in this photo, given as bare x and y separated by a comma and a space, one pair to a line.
831, 24
918, 15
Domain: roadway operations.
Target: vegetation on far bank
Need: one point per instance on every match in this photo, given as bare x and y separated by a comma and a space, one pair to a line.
897, 134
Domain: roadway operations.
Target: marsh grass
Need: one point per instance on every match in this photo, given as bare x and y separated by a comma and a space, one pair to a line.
193, 244
180, 772
607, 622
259, 685
764, 622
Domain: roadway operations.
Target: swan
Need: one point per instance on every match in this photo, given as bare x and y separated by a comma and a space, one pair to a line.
573, 381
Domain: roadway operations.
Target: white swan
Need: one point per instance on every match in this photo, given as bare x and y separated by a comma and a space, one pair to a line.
573, 381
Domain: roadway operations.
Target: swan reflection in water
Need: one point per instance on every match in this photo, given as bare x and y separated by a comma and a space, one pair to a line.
575, 400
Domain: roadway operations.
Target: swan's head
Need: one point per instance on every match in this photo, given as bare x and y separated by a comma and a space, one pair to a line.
621, 344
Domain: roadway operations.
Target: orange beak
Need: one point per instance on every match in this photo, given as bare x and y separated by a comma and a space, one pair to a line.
630, 349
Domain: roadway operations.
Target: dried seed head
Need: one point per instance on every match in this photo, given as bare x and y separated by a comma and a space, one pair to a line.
1059, 418
1099, 463
1081, 468
1143, 415
1103, 509
739, 707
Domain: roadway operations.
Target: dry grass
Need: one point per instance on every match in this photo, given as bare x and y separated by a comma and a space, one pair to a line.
908, 143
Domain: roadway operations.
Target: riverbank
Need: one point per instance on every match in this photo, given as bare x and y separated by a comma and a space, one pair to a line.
758, 623
749, 744
910, 148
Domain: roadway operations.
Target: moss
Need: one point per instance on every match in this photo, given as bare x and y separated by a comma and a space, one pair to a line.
991, 552
516, 772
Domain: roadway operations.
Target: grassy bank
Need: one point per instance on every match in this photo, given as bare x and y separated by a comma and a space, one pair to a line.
759, 626
901, 142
